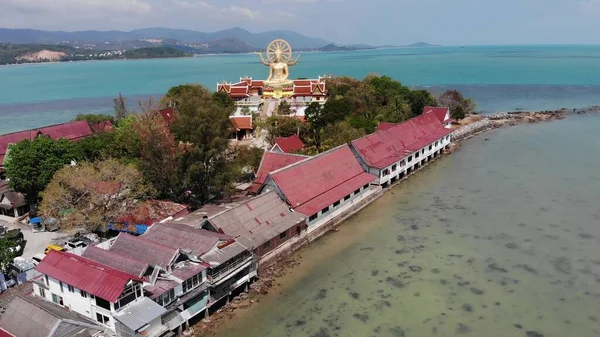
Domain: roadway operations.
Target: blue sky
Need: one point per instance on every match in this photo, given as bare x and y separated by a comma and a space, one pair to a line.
447, 22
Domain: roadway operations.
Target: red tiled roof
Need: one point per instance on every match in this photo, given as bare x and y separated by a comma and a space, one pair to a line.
168, 114
440, 113
242, 123
13, 138
144, 250
385, 125
313, 184
257, 84
272, 161
303, 90
87, 275
289, 144
302, 82
384, 147
71, 131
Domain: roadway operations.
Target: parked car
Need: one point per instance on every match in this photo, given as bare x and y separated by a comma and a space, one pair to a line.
37, 258
53, 247
70, 245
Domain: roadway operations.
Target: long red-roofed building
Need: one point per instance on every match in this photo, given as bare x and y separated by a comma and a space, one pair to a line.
318, 186
270, 162
391, 153
442, 114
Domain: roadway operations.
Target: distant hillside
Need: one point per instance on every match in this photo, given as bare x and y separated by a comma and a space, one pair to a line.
33, 53
334, 47
93, 39
422, 44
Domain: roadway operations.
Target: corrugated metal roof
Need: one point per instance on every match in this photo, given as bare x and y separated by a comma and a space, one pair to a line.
442, 113
384, 147
140, 313
71, 130
87, 275
115, 260
34, 317
218, 256
272, 161
4, 333
141, 249
385, 125
309, 179
181, 236
242, 122
13, 138
259, 219
289, 144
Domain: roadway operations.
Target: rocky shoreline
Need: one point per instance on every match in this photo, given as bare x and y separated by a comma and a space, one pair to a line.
476, 124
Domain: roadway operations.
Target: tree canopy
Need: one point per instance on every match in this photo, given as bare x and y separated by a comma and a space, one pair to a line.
31, 164
90, 195
94, 118
458, 104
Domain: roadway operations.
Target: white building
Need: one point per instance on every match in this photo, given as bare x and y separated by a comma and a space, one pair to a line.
396, 150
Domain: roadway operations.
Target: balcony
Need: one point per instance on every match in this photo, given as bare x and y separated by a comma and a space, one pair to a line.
39, 280
220, 273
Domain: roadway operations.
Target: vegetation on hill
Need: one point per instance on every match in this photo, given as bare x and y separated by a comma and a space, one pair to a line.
14, 53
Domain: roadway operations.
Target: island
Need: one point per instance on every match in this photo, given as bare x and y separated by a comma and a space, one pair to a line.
34, 53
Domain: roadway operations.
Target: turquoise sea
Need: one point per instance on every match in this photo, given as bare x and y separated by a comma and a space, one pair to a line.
499, 78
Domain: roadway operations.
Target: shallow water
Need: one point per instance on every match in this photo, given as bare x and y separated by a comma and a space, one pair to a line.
498, 239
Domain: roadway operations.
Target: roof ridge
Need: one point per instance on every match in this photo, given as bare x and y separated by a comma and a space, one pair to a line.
146, 240
307, 159
94, 264
125, 257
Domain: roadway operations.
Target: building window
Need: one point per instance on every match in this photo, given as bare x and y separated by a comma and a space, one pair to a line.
430, 147
336, 204
283, 235
436, 143
366, 186
47, 282
417, 155
102, 303
102, 319
357, 191
423, 151
70, 287
325, 210
394, 167
42, 292
312, 217
166, 298
61, 286
57, 299
267, 244
410, 158
192, 282
298, 229
347, 197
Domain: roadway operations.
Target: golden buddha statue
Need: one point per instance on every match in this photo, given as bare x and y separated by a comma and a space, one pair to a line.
279, 59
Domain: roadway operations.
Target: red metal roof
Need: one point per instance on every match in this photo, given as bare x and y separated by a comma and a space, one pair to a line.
87, 275
168, 114
443, 114
272, 161
242, 122
289, 144
385, 125
71, 131
303, 90
311, 184
4, 333
13, 138
384, 147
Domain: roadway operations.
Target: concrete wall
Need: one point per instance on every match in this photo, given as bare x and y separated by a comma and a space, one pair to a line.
332, 209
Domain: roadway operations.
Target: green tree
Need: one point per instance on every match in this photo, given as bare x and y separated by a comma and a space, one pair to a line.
336, 110
284, 108
203, 124
340, 133
93, 194
120, 106
6, 253
280, 126
459, 105
30, 165
316, 123
94, 118
396, 111
419, 99
248, 157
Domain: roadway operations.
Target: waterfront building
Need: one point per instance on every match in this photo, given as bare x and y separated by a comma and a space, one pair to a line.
265, 222
442, 114
264, 96
270, 162
149, 284
323, 186
289, 144
394, 151
12, 204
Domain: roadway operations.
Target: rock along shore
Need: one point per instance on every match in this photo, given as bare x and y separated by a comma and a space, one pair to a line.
476, 124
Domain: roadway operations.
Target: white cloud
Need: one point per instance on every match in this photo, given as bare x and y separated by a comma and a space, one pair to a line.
252, 15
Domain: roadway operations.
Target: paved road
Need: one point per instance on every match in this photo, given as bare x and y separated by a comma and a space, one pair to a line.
36, 242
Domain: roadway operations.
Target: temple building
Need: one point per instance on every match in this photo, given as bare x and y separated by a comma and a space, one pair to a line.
264, 96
